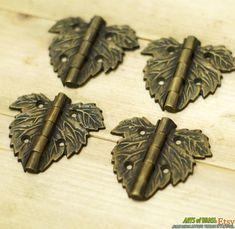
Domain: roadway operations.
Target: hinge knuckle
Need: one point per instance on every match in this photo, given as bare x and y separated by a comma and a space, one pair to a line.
40, 144
84, 49
164, 126
185, 59
191, 42
32, 163
46, 132
71, 79
53, 114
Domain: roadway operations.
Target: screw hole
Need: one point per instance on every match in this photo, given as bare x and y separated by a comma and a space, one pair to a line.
166, 170
76, 28
99, 59
40, 104
63, 58
108, 37
73, 115
171, 50
198, 82
207, 55
25, 139
61, 143
128, 165
161, 81
177, 141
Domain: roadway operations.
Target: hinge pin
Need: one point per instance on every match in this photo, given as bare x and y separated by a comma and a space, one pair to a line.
189, 47
47, 129
164, 126
79, 58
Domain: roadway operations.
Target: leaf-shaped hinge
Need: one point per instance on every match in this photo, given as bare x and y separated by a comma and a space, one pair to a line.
150, 157
46, 130
82, 50
178, 74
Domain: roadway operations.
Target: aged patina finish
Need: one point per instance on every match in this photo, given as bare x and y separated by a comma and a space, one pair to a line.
149, 157
188, 49
152, 154
46, 130
81, 50
177, 74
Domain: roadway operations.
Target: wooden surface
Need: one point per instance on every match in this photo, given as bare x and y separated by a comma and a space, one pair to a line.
82, 192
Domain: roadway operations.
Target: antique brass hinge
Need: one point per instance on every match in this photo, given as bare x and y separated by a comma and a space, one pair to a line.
149, 157
46, 130
81, 50
178, 73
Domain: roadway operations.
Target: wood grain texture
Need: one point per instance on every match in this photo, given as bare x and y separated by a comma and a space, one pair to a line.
82, 192
213, 19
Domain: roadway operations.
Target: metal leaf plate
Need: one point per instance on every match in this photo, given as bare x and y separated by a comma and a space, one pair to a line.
68, 135
174, 164
203, 76
104, 54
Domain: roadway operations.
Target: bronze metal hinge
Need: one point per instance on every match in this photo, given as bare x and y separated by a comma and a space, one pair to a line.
149, 157
82, 50
177, 74
46, 130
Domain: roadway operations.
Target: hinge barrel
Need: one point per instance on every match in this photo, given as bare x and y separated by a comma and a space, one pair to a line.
46, 132
84, 49
164, 126
189, 47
